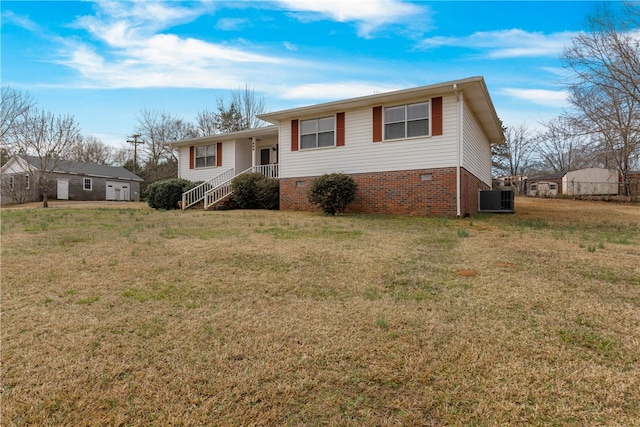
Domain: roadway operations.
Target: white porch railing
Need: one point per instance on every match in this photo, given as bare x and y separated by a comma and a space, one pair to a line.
216, 189
196, 194
270, 171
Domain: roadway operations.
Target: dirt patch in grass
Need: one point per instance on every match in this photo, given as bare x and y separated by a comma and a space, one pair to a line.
129, 316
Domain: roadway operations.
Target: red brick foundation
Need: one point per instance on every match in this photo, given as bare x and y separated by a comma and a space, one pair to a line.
425, 192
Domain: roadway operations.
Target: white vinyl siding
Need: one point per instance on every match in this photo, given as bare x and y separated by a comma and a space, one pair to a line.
242, 156
360, 154
476, 153
205, 174
236, 154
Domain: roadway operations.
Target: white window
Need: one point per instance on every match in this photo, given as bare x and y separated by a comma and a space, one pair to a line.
317, 133
12, 183
27, 181
205, 156
406, 121
87, 183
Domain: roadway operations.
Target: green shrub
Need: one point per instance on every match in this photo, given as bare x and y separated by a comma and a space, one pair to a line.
332, 192
167, 193
244, 190
256, 191
268, 193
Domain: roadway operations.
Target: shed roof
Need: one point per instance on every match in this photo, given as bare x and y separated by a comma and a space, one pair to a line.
88, 169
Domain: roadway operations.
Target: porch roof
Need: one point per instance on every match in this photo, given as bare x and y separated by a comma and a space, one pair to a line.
258, 133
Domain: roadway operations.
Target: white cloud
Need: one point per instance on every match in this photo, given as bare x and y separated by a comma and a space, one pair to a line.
231, 24
368, 15
544, 97
21, 21
140, 56
290, 46
512, 43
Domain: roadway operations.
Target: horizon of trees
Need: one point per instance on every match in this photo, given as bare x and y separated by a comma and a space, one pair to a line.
600, 129
602, 126
27, 130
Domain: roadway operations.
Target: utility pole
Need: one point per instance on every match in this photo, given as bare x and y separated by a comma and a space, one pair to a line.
135, 143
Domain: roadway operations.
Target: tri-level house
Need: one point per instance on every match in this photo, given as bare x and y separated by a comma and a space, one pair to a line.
419, 151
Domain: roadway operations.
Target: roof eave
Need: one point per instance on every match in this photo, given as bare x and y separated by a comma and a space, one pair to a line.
247, 133
368, 100
479, 101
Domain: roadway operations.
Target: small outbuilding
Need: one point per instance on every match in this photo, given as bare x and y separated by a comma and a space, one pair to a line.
69, 180
590, 182
581, 182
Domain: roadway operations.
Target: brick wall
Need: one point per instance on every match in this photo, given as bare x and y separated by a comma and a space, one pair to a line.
428, 192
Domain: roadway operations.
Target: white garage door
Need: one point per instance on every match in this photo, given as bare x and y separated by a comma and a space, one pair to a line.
117, 190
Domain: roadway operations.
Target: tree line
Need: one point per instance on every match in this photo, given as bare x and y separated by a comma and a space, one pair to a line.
600, 129
602, 126
26, 129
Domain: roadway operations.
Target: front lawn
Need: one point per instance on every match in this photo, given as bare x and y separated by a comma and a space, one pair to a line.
119, 316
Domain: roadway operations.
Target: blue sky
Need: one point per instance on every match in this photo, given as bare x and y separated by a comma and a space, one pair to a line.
105, 61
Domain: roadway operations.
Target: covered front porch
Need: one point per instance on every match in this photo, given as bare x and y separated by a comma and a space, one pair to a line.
217, 159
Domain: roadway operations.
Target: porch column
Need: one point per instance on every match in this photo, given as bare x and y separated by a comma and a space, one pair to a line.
253, 152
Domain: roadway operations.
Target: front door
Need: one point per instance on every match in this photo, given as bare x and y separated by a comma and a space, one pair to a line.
63, 189
265, 156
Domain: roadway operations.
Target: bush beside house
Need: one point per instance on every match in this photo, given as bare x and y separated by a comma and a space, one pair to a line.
332, 192
256, 191
168, 193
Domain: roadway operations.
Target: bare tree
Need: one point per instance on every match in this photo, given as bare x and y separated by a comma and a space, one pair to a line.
158, 129
249, 106
512, 157
237, 113
605, 84
14, 106
121, 156
47, 138
206, 123
563, 145
612, 117
91, 150
607, 54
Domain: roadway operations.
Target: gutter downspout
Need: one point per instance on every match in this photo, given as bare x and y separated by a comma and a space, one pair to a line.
459, 148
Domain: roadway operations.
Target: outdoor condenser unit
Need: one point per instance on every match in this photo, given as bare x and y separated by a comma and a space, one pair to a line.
495, 201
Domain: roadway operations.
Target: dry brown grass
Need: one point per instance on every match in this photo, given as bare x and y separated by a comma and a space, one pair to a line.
128, 316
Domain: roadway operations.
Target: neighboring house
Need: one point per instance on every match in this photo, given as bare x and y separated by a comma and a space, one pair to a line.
419, 151
581, 182
69, 181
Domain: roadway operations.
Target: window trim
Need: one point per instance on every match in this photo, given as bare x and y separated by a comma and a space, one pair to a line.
84, 184
214, 147
406, 121
27, 179
12, 182
317, 132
